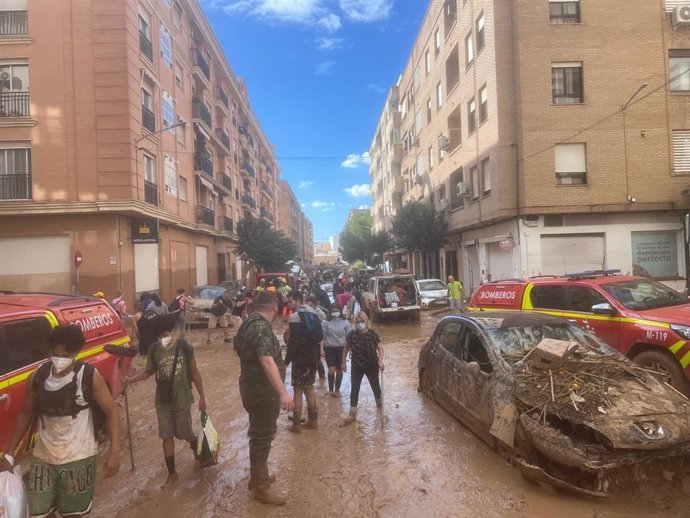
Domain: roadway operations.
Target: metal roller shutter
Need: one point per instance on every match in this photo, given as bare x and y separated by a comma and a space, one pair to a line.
572, 254
500, 262
36, 264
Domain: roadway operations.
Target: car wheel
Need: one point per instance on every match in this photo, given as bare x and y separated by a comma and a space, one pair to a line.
666, 365
426, 384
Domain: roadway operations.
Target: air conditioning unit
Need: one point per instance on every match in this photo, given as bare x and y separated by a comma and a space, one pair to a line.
681, 15
463, 189
442, 142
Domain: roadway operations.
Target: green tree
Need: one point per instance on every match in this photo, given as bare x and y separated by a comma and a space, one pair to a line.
353, 247
418, 226
379, 243
262, 246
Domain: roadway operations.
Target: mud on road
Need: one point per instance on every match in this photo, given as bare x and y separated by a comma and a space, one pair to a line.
417, 461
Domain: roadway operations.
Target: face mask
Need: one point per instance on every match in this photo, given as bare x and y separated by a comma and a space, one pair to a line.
335, 314
60, 364
361, 326
166, 340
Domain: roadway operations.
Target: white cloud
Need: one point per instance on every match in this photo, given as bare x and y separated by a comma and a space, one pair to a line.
353, 161
304, 184
304, 12
322, 204
358, 191
366, 10
327, 209
329, 22
303, 205
323, 69
325, 43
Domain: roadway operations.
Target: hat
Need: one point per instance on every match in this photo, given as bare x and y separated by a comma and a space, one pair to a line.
282, 279
99, 294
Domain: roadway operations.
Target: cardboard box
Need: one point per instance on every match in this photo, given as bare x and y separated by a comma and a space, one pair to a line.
550, 354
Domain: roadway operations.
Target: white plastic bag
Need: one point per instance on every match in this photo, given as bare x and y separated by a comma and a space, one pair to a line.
208, 445
13, 502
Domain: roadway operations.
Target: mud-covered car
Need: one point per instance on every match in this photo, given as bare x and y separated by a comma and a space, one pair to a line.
590, 425
199, 312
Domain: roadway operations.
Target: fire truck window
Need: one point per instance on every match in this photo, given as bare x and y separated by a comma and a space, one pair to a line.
583, 298
23, 343
548, 297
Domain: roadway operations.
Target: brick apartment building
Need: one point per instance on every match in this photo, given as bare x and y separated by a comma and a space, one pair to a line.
87, 164
555, 135
295, 224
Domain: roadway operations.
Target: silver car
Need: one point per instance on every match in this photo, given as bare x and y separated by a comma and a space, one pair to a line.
433, 292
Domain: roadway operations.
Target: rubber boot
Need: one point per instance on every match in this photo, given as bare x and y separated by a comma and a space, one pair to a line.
351, 418
263, 493
254, 483
312, 419
296, 426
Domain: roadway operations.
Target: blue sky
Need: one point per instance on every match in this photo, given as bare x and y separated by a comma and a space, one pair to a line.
317, 73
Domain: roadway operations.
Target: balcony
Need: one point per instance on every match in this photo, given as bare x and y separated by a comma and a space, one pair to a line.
265, 188
148, 119
15, 186
227, 182
248, 200
246, 166
266, 214
200, 62
205, 216
228, 225
145, 46
151, 193
399, 185
224, 137
201, 111
13, 23
245, 133
14, 104
203, 163
222, 97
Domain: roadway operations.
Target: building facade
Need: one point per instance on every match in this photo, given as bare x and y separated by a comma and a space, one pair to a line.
295, 225
135, 146
553, 134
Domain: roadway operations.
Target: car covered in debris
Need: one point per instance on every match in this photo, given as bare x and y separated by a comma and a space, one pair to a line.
202, 297
585, 421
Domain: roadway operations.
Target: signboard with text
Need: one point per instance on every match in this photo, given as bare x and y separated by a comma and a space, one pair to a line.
655, 254
144, 230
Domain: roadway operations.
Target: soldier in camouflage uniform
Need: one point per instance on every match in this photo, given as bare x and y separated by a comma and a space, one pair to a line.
262, 390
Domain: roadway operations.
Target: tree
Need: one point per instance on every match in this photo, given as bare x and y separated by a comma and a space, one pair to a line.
358, 242
418, 226
379, 243
262, 246
353, 247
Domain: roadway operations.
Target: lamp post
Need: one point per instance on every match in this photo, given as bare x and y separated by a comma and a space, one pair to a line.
630, 198
147, 135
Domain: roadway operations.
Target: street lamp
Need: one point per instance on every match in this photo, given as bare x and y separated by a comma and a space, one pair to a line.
147, 135
631, 198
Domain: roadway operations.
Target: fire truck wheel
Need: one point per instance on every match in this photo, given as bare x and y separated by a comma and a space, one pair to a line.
666, 365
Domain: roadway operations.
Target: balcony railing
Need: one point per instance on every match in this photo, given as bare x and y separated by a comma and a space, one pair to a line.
223, 97
205, 215
15, 186
224, 137
148, 119
245, 133
150, 193
201, 111
145, 46
248, 200
265, 213
227, 182
228, 224
247, 167
14, 104
199, 61
266, 189
204, 163
13, 23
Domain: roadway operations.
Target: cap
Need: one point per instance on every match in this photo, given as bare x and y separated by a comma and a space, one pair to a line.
99, 294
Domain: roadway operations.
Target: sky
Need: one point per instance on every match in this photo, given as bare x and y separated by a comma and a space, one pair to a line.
317, 74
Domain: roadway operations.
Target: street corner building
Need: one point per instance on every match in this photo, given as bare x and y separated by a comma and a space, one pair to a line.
125, 136
555, 136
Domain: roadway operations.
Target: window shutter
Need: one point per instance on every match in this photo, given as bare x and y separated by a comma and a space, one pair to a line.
681, 151
570, 158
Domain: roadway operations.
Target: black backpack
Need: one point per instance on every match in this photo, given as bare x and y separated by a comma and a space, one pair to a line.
175, 304
312, 327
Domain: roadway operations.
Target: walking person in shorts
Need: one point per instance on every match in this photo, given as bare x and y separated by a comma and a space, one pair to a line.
172, 360
335, 331
219, 309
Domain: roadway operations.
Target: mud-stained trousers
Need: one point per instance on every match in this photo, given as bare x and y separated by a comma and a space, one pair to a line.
263, 416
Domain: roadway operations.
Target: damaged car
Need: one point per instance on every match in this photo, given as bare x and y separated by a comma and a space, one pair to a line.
555, 400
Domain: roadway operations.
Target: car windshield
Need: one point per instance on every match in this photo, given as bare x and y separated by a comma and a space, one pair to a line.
515, 342
207, 293
644, 294
431, 286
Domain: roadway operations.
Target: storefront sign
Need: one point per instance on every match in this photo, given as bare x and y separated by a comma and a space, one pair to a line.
144, 231
655, 254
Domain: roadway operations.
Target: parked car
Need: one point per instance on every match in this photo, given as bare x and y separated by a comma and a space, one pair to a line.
595, 422
203, 297
389, 295
432, 292
643, 319
26, 321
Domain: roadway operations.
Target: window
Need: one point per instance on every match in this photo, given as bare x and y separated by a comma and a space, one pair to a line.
23, 343
431, 158
449, 336
418, 123
471, 116
179, 76
177, 15
428, 111
167, 110
13, 18
457, 192
681, 151
483, 104
452, 70
437, 41
148, 117
439, 95
481, 39
427, 62
474, 179
564, 12
486, 176
166, 46
566, 83
14, 90
455, 129
145, 46
442, 143
654, 255
149, 168
583, 298
170, 176
679, 69
181, 132
548, 297
183, 188
473, 350
450, 15
571, 164
469, 49
15, 172
420, 164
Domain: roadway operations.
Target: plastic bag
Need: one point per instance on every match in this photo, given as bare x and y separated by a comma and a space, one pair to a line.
13, 501
208, 444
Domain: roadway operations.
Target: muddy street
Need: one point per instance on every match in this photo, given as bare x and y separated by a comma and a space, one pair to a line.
416, 461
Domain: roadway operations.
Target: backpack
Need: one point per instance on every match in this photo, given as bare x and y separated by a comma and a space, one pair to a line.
175, 304
312, 327
218, 308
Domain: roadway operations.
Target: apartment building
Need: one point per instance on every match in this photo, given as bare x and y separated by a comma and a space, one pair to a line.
135, 146
554, 135
295, 225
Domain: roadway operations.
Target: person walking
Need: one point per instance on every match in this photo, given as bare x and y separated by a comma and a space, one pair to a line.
63, 395
172, 360
179, 305
219, 309
119, 304
241, 306
304, 337
284, 291
157, 305
367, 360
322, 296
262, 389
313, 303
455, 294
335, 332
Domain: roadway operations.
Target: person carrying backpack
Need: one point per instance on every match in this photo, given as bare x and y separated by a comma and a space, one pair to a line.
65, 395
145, 319
219, 309
303, 338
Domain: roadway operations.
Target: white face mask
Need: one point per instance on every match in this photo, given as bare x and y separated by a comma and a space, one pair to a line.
361, 326
60, 364
335, 314
166, 341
